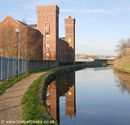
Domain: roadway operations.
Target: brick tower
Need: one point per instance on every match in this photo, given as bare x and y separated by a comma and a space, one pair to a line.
48, 25
70, 37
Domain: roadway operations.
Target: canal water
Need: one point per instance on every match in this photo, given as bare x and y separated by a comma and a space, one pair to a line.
92, 96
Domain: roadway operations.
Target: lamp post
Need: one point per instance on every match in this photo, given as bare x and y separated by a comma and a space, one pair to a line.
17, 39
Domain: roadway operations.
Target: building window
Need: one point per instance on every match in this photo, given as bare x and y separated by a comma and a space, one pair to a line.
47, 37
47, 45
47, 28
47, 54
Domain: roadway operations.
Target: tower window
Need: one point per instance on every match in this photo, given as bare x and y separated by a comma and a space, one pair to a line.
47, 37
47, 28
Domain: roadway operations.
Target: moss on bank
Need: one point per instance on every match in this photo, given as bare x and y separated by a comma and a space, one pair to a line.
11, 81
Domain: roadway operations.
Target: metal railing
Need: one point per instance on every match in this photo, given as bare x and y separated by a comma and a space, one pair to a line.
10, 67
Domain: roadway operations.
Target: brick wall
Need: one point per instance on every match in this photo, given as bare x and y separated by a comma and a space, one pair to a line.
30, 40
65, 51
48, 25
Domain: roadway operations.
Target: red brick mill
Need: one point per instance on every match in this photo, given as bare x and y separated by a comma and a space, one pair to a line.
40, 41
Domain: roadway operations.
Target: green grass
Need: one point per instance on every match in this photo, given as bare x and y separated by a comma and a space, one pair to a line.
32, 107
121, 66
126, 66
11, 81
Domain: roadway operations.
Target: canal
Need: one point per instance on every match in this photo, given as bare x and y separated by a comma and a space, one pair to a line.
92, 96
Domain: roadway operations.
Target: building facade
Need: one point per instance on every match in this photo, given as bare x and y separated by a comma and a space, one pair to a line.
25, 43
48, 25
55, 48
70, 37
67, 44
39, 41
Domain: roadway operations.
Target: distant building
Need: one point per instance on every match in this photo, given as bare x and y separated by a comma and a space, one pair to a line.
70, 37
29, 40
67, 44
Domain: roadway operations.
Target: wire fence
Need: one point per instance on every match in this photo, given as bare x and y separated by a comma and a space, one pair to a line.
10, 67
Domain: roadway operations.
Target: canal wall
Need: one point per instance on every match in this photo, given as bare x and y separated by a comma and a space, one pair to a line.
63, 70
36, 93
48, 78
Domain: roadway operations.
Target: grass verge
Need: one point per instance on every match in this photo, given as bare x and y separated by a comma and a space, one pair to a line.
32, 106
122, 64
123, 67
11, 81
33, 102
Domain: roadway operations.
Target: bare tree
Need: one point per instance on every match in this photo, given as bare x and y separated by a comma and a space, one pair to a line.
123, 44
128, 42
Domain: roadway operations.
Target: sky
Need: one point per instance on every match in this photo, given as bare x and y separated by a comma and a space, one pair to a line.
100, 24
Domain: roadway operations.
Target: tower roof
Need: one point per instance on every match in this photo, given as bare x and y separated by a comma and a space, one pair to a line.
47, 8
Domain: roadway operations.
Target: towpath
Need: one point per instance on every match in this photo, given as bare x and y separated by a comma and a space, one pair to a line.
10, 101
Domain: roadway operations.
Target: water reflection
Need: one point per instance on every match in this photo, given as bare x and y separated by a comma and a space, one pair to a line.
62, 86
124, 81
52, 100
99, 99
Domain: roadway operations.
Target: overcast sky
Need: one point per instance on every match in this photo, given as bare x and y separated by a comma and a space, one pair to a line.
100, 24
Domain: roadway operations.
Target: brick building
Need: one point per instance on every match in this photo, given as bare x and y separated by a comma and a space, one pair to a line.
29, 44
39, 41
55, 48
48, 25
70, 37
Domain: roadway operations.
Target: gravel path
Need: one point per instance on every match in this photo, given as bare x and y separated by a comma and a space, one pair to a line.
10, 101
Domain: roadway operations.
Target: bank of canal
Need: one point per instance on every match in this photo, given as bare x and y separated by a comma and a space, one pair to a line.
33, 102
